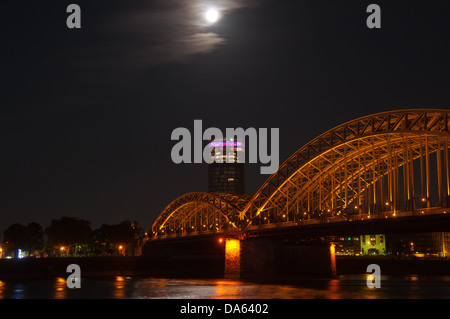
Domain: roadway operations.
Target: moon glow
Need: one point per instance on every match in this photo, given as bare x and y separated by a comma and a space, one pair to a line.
212, 15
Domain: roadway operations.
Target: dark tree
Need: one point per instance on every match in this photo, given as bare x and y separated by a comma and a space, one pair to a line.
27, 238
126, 232
68, 231
16, 237
101, 234
35, 237
101, 242
120, 238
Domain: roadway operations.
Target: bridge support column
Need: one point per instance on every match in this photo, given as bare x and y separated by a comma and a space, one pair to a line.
232, 259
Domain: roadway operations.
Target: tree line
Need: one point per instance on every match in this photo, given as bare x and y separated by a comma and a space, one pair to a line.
71, 236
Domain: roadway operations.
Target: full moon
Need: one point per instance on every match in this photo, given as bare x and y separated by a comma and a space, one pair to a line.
212, 15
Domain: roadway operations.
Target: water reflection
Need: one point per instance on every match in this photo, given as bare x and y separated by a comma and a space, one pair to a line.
120, 287
2, 288
60, 288
227, 289
18, 291
333, 288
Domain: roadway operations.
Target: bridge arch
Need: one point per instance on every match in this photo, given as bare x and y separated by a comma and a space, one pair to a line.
200, 212
374, 166
366, 166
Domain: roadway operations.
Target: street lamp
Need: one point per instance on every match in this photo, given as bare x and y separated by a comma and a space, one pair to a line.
64, 249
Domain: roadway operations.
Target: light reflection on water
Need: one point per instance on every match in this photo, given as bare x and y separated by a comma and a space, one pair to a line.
120, 287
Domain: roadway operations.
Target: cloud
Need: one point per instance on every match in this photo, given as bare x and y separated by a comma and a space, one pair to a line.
121, 41
165, 31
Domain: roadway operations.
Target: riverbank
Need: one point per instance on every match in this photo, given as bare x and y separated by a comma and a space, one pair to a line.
198, 267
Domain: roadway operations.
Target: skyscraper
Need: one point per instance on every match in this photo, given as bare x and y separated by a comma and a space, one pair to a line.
227, 173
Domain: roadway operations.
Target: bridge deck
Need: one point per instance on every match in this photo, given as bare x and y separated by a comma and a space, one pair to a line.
404, 221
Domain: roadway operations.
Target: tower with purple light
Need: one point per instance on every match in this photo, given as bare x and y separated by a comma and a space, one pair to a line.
226, 173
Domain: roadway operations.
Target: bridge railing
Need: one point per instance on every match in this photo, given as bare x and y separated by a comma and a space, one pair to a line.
322, 220
350, 218
195, 233
432, 210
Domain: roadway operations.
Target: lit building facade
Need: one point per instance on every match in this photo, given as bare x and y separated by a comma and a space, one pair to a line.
433, 244
226, 174
373, 244
347, 246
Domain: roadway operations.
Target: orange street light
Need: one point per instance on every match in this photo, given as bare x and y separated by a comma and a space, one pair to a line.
63, 249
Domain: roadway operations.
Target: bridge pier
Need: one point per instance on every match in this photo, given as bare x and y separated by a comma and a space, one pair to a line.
231, 258
232, 268
271, 258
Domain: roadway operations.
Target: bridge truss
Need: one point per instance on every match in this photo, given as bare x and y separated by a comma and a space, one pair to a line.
377, 166
201, 212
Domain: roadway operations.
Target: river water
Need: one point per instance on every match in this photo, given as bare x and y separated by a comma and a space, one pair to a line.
121, 287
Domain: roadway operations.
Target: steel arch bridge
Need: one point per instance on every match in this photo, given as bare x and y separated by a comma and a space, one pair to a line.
200, 212
379, 166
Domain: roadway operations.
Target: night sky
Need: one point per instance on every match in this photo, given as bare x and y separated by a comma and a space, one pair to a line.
87, 114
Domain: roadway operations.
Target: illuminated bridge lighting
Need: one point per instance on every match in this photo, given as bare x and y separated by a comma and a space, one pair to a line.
379, 166
232, 258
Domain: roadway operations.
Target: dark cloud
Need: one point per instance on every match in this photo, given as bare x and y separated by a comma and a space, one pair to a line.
165, 31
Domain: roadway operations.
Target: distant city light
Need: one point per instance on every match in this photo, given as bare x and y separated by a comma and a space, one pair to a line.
225, 144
